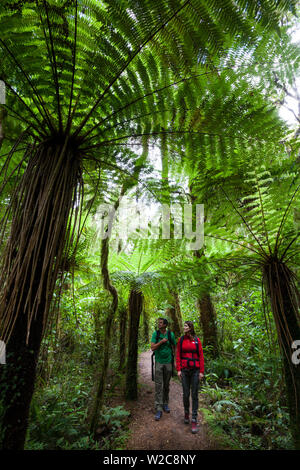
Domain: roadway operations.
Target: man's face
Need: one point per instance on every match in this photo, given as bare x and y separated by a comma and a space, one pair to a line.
161, 324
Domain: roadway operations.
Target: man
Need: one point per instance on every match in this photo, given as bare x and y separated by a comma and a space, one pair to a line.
163, 344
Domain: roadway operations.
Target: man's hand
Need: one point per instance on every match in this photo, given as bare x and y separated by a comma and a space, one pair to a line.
155, 346
179, 374
201, 375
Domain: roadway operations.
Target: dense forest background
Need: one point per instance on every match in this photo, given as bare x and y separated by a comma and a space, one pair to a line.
167, 104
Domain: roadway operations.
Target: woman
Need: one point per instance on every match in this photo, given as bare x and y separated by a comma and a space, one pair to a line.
190, 368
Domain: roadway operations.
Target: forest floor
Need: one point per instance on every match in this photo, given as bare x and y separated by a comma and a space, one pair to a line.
170, 433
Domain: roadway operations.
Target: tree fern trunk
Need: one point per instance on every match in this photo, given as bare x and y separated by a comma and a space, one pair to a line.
284, 299
146, 326
174, 313
122, 338
208, 319
179, 330
31, 263
208, 323
17, 380
136, 301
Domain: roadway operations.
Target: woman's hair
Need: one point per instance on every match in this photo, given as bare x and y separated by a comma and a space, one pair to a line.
191, 326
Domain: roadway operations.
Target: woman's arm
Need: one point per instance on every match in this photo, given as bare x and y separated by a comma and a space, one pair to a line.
201, 359
178, 359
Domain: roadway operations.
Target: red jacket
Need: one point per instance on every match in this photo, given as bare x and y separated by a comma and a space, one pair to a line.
188, 351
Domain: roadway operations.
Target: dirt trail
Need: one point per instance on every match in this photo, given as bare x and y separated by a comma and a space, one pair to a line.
170, 433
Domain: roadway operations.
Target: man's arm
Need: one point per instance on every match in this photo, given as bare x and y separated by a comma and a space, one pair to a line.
155, 346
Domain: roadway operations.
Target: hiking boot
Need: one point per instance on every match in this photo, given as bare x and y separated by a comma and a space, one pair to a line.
158, 415
166, 409
186, 418
194, 426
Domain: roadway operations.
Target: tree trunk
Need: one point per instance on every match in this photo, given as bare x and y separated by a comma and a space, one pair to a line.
174, 313
284, 299
208, 323
146, 326
32, 259
17, 380
98, 403
136, 301
208, 319
107, 334
109, 319
178, 315
122, 338
3, 113
97, 325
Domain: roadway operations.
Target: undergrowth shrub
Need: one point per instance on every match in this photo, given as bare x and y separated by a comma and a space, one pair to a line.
244, 387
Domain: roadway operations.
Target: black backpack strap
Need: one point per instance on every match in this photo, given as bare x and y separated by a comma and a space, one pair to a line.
197, 346
152, 366
180, 344
153, 355
172, 344
181, 341
171, 339
157, 336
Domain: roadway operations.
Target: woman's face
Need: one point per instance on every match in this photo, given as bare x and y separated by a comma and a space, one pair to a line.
186, 328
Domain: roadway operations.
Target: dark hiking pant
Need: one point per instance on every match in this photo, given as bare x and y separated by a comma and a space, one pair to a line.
190, 384
163, 373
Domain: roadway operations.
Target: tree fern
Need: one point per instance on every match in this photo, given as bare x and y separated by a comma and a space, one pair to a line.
75, 98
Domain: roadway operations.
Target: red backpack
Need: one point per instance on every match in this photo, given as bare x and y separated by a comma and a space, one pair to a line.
188, 359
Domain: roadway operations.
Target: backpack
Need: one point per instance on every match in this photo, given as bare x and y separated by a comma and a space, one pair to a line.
196, 352
153, 354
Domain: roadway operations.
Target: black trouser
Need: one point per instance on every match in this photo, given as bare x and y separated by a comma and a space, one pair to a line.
190, 382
